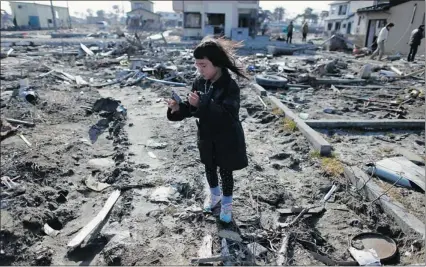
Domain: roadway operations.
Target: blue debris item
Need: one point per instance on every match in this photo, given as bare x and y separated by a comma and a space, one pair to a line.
96, 130
251, 68
329, 110
401, 171
121, 109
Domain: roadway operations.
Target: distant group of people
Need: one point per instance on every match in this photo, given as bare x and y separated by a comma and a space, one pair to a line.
415, 40
290, 28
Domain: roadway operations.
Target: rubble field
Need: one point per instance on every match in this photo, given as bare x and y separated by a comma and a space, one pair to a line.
93, 173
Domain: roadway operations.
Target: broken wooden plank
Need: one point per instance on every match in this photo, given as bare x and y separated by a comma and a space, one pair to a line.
208, 260
95, 222
25, 139
261, 100
282, 253
293, 211
205, 250
384, 124
338, 81
259, 89
413, 73
397, 71
26, 123
408, 222
87, 50
317, 141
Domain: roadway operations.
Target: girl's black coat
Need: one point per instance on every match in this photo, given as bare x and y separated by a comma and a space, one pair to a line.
220, 135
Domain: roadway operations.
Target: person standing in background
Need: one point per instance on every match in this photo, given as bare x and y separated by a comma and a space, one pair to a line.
290, 32
415, 40
305, 29
383, 36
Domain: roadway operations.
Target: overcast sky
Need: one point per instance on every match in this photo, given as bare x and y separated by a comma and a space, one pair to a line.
292, 7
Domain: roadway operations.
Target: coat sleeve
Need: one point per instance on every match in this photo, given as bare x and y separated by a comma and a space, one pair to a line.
225, 112
185, 109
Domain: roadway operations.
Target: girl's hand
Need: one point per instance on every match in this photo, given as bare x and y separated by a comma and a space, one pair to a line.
173, 105
194, 99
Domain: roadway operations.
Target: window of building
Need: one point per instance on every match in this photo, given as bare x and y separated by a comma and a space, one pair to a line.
359, 20
337, 26
192, 20
344, 26
49, 21
342, 10
333, 10
19, 6
329, 26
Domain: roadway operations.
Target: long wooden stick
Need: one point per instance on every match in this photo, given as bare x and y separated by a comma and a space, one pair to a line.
282, 253
27, 123
79, 238
25, 140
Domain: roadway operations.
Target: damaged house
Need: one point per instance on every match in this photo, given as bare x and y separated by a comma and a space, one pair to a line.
342, 15
406, 15
142, 16
234, 19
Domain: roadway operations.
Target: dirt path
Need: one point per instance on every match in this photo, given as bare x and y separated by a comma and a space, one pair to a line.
170, 231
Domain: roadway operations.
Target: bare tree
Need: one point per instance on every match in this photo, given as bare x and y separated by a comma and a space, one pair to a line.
279, 13
100, 13
117, 11
90, 12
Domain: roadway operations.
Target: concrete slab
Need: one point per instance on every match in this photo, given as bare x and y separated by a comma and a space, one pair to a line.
259, 89
368, 124
317, 141
408, 222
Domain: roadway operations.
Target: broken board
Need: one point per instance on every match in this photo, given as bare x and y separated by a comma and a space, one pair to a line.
294, 211
95, 222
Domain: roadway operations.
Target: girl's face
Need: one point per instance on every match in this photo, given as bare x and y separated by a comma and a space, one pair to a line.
206, 68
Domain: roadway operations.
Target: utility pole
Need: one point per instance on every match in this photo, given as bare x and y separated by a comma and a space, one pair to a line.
69, 16
53, 15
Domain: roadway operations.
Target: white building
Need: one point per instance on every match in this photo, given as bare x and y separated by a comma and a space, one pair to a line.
147, 5
171, 19
39, 16
203, 18
343, 15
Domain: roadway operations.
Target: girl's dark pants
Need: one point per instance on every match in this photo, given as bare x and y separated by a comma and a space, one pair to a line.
226, 177
412, 54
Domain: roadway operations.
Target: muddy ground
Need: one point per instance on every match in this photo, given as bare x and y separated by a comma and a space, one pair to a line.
161, 223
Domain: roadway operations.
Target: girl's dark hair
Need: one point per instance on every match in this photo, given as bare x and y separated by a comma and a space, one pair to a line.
221, 53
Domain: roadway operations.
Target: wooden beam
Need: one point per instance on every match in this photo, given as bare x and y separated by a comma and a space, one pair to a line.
368, 124
205, 250
408, 222
317, 141
95, 222
26, 123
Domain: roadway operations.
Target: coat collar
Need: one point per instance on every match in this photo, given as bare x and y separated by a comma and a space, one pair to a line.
221, 84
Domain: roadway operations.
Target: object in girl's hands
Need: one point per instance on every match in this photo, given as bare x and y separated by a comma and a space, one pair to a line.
176, 97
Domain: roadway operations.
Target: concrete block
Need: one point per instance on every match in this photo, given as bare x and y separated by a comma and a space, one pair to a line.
317, 141
408, 222
368, 124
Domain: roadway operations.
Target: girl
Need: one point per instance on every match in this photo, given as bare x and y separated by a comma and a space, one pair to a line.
215, 102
